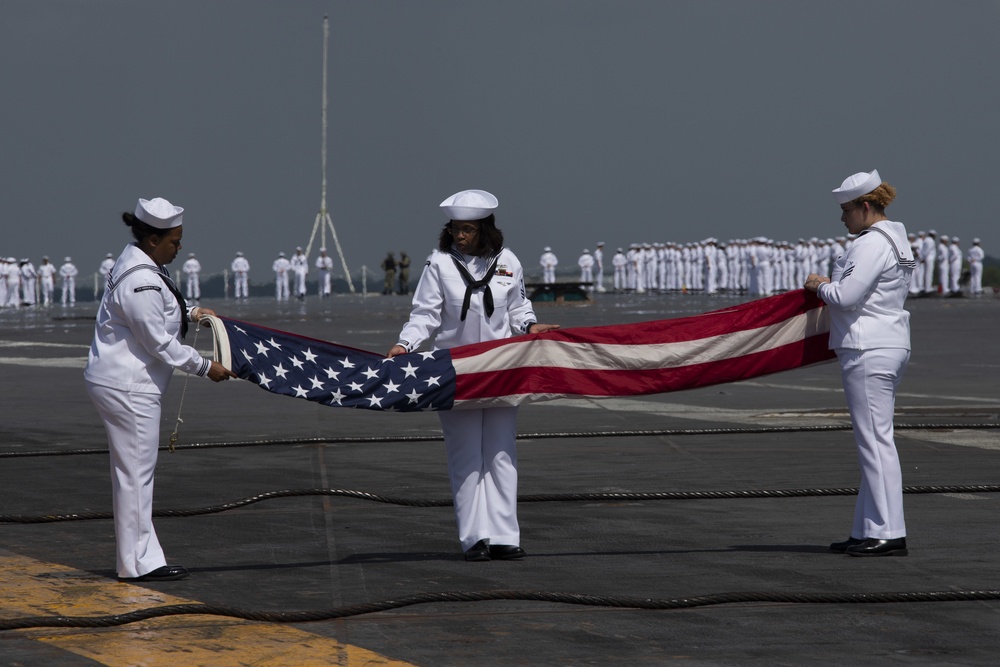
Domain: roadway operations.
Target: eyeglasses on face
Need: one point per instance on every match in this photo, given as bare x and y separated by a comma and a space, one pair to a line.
463, 230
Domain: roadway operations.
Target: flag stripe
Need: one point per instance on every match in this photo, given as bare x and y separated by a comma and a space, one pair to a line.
522, 385
600, 356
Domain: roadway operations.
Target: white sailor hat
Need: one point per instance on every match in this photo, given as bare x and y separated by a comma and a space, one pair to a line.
954, 239
856, 185
68, 259
469, 205
281, 254
298, 248
190, 254
600, 243
546, 249
944, 237
931, 232
159, 213
586, 251
975, 241
109, 255
322, 249
46, 256
239, 253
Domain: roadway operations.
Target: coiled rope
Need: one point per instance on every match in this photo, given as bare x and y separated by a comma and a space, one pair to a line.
488, 596
536, 498
757, 430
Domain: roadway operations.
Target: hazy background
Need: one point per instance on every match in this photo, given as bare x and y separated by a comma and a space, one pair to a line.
622, 121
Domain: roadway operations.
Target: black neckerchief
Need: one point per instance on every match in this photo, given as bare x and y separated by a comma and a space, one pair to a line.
473, 284
177, 295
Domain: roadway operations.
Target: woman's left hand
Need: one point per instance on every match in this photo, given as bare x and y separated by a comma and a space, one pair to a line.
541, 328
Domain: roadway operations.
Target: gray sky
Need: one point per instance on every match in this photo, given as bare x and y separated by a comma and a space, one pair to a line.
620, 120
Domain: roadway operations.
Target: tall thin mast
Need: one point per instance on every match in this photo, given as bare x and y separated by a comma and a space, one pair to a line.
323, 217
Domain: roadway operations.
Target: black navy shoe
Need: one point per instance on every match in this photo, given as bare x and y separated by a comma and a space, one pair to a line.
841, 547
506, 552
875, 547
479, 551
165, 573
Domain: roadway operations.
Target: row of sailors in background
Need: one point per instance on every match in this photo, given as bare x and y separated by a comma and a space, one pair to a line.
760, 266
285, 269
24, 284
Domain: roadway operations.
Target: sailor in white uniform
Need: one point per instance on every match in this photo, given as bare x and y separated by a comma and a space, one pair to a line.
192, 271
13, 283
955, 267
324, 264
281, 267
47, 272
548, 261
300, 266
620, 263
975, 256
134, 352
472, 290
68, 272
103, 270
29, 282
870, 331
241, 272
599, 265
586, 263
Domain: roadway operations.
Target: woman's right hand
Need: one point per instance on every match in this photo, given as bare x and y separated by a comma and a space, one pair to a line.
394, 350
217, 372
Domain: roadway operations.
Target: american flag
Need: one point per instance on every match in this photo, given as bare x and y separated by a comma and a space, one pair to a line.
757, 338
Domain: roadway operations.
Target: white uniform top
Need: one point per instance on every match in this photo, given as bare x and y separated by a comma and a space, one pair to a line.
437, 302
136, 346
192, 266
240, 265
976, 254
300, 264
281, 265
46, 271
324, 263
106, 265
68, 270
868, 287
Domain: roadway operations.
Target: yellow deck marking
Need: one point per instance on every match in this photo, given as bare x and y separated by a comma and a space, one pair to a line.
29, 587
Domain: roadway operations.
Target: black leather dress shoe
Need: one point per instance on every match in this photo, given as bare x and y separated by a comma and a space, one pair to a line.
841, 547
478, 552
165, 573
874, 547
506, 552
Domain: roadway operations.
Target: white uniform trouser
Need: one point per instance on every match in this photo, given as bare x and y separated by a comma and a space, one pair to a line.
300, 283
193, 287
132, 421
241, 283
69, 291
324, 283
48, 286
976, 277
870, 380
281, 287
482, 465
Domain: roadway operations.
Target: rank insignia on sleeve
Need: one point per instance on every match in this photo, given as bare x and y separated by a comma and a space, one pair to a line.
146, 287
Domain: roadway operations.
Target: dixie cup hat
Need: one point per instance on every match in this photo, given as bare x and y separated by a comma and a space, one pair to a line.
159, 213
469, 205
856, 185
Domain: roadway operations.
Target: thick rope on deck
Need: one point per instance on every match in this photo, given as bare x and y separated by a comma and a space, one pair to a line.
490, 596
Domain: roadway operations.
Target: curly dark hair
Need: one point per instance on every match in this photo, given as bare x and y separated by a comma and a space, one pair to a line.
140, 230
488, 241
